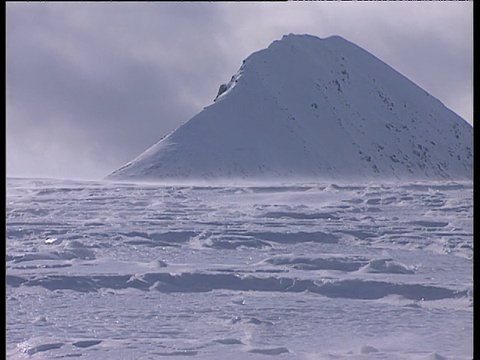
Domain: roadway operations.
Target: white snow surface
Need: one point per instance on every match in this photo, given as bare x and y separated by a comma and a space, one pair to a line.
100, 270
314, 109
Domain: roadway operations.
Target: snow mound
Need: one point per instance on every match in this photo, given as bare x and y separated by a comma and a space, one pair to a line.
387, 266
307, 108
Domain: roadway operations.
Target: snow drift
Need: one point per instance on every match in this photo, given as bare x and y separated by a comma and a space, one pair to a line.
307, 108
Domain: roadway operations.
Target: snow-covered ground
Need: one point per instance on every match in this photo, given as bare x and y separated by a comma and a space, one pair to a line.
101, 270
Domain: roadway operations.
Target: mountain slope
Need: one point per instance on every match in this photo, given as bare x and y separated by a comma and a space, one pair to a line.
313, 109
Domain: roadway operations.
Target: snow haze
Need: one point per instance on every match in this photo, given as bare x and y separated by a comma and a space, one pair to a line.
92, 85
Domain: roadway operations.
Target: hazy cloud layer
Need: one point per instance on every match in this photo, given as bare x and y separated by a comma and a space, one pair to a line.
92, 85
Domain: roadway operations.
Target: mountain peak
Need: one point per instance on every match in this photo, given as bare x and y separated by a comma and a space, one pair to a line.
307, 108
309, 40
309, 37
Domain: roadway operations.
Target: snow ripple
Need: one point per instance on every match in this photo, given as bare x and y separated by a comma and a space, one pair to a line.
197, 282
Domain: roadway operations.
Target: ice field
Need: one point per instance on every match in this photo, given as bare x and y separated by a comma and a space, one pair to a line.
101, 270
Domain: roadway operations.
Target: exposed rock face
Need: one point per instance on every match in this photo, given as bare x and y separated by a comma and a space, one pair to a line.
313, 109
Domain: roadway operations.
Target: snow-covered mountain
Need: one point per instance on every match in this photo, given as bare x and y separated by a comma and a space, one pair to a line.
307, 108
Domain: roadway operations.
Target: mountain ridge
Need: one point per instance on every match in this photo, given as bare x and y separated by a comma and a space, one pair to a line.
310, 109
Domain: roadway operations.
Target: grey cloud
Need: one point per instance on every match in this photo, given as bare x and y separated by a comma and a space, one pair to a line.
120, 97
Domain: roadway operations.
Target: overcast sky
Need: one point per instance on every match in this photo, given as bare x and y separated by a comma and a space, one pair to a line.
92, 85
